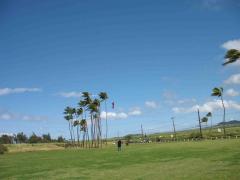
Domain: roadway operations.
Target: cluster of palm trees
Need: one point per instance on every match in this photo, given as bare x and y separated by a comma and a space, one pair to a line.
88, 109
231, 56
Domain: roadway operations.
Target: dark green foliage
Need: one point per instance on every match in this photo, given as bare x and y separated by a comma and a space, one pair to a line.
60, 139
209, 114
204, 119
5, 139
35, 139
232, 55
217, 91
195, 135
21, 138
46, 138
128, 138
3, 149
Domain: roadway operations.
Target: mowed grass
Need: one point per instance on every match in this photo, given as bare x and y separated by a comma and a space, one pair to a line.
218, 159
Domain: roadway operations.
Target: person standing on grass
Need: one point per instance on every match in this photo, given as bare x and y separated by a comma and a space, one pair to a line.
119, 144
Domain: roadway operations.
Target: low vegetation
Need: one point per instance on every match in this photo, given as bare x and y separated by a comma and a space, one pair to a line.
3, 149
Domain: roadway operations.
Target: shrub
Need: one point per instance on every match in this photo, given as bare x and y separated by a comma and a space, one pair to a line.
3, 149
195, 135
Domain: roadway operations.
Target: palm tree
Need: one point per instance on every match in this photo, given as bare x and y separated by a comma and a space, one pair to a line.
79, 112
103, 97
68, 116
232, 55
219, 93
209, 115
97, 118
83, 125
74, 114
92, 110
204, 119
86, 97
76, 123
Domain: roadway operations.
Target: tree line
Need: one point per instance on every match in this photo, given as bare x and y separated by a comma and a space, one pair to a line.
33, 138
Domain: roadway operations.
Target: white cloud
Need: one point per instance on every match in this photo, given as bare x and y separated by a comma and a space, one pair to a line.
121, 115
232, 92
6, 115
6, 91
135, 112
234, 79
151, 104
208, 107
113, 115
233, 44
186, 101
70, 94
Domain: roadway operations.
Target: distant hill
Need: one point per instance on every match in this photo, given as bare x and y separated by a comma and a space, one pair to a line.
233, 122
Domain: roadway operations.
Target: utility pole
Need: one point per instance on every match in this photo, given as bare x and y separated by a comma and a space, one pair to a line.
174, 130
200, 127
142, 131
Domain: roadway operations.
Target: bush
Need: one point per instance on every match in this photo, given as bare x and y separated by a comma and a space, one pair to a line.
195, 135
3, 149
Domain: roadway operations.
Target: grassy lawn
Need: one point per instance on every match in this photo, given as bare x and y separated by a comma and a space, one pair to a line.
218, 159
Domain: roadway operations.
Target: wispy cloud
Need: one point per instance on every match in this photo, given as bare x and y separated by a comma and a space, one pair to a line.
151, 104
209, 106
169, 95
135, 112
6, 115
234, 79
217, 5
170, 98
7, 91
186, 101
72, 94
232, 92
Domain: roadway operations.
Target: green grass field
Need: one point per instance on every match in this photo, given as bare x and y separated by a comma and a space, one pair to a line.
219, 159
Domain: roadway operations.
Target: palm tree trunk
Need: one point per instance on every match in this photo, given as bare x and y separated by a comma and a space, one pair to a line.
200, 127
69, 126
224, 120
100, 129
78, 133
73, 134
106, 122
92, 129
83, 141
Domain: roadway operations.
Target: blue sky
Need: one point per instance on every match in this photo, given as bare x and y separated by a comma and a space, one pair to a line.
156, 59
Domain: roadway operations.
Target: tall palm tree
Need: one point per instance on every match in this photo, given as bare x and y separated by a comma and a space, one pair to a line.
209, 115
219, 93
73, 112
103, 97
232, 55
97, 118
83, 104
83, 125
76, 124
68, 116
92, 108
78, 112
